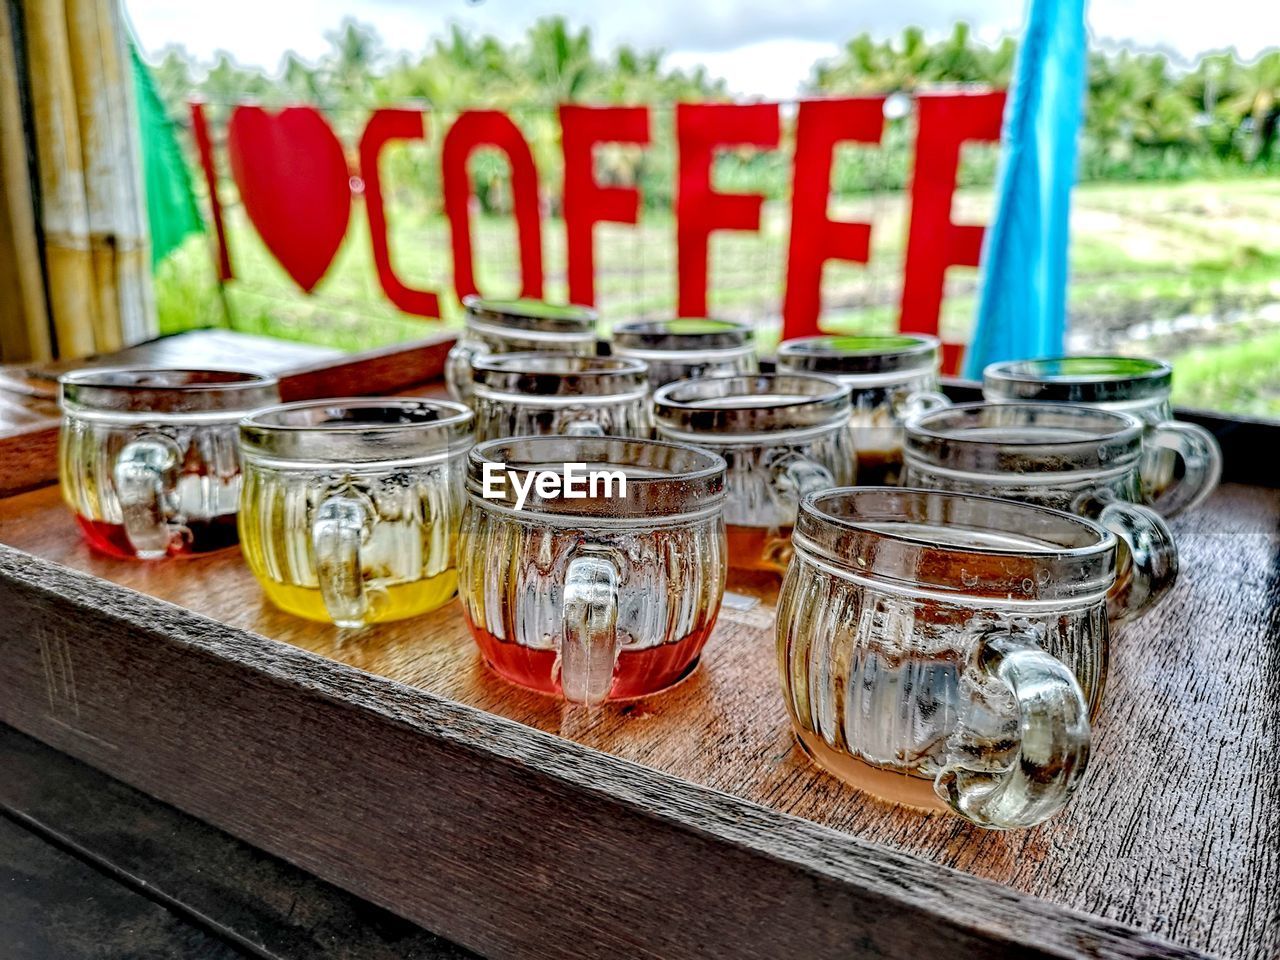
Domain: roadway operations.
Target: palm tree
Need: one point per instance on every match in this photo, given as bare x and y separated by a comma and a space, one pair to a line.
1257, 103
355, 52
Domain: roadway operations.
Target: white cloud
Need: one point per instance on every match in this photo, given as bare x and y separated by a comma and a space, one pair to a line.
770, 69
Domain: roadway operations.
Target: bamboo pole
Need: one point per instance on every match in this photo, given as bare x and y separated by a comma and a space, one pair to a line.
65, 210
24, 312
100, 71
86, 136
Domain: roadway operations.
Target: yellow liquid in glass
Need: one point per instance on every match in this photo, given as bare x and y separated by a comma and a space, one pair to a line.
386, 602
275, 538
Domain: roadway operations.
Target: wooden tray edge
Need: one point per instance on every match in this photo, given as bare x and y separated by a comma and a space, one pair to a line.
457, 820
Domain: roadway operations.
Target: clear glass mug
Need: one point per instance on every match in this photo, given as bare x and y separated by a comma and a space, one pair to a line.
890, 378
1068, 457
686, 348
603, 596
536, 394
1127, 385
516, 326
944, 651
350, 507
147, 457
782, 435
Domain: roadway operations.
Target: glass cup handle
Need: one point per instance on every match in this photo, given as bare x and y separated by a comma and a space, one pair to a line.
1023, 740
1152, 565
921, 401
336, 533
1201, 465
799, 476
583, 428
589, 645
458, 365
145, 475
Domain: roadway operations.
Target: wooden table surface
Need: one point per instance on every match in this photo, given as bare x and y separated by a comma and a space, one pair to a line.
1175, 830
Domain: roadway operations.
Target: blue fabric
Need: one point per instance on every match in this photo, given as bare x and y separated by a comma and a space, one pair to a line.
1023, 306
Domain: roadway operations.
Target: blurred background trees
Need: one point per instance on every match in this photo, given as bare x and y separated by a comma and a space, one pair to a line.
1148, 118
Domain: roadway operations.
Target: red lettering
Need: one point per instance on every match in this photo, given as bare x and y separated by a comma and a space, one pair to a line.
934, 243
700, 129
586, 203
815, 237
473, 129
383, 127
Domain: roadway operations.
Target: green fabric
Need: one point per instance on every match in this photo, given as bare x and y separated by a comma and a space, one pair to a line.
172, 214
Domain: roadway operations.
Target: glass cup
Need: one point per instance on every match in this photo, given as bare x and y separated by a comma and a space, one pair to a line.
1127, 385
536, 394
943, 650
147, 457
686, 348
1068, 457
890, 378
350, 507
782, 435
516, 326
602, 596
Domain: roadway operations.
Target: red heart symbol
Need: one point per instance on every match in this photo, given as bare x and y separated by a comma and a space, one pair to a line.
295, 185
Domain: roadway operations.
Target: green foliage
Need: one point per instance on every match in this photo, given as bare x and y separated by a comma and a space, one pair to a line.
1147, 118
1240, 377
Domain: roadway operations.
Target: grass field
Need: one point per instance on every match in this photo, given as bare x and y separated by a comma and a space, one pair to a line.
1187, 271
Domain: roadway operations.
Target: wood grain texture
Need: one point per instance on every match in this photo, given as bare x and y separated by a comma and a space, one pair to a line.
373, 372
29, 414
1176, 829
494, 834
209, 879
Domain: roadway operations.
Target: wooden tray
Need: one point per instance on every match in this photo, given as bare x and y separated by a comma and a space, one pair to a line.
394, 764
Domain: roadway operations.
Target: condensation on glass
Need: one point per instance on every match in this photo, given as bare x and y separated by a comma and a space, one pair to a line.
350, 507
536, 394
606, 596
687, 348
890, 379
782, 435
946, 651
1065, 456
147, 457
516, 326
1181, 462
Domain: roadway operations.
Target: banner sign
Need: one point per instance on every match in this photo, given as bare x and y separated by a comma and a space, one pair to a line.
297, 186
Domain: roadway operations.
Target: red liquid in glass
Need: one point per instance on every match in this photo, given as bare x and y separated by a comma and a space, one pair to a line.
204, 536
879, 468
758, 548
638, 673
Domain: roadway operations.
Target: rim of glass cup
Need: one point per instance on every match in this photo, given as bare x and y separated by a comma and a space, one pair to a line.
682, 335
203, 394
672, 482
957, 544
589, 379
861, 355
371, 430
1090, 379
1038, 438
741, 408
531, 316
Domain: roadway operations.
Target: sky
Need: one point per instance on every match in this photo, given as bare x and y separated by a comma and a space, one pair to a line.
763, 48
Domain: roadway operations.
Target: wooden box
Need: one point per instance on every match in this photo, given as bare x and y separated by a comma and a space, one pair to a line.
392, 763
